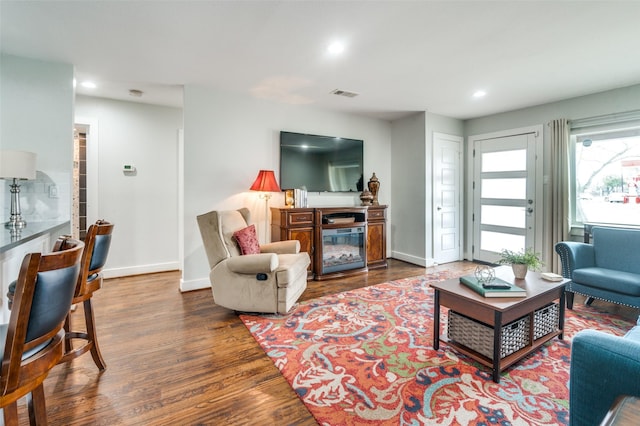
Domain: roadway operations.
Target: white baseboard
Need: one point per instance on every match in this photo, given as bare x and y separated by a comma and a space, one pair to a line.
420, 261
141, 269
201, 283
191, 285
409, 258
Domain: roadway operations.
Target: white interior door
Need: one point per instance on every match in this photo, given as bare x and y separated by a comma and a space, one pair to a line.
447, 196
504, 190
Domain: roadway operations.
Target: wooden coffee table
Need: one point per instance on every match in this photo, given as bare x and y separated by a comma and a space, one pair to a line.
497, 312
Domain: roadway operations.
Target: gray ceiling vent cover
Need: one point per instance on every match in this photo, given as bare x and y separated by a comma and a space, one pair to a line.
344, 93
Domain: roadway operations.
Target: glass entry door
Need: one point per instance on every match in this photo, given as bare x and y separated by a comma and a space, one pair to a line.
504, 195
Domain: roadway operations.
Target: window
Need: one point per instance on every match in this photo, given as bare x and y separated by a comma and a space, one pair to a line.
605, 172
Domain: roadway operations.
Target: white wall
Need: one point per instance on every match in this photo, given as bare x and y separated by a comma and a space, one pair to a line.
36, 114
609, 102
411, 230
228, 138
143, 206
407, 229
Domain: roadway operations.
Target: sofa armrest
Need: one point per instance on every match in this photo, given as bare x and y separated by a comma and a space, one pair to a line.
603, 366
281, 247
253, 263
574, 255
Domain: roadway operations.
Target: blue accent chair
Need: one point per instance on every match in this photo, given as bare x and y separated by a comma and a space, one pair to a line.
603, 367
607, 269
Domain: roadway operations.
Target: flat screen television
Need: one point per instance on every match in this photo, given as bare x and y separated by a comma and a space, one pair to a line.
320, 163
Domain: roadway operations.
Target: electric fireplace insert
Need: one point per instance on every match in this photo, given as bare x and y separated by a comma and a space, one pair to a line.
343, 249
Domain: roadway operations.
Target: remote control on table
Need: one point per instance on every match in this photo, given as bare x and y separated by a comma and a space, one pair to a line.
496, 286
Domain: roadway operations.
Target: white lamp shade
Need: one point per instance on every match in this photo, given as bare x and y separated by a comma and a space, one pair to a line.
17, 165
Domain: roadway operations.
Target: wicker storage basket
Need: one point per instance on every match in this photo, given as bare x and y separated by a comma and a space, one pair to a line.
479, 336
545, 320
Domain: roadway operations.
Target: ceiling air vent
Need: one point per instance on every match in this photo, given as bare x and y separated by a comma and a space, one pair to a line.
344, 93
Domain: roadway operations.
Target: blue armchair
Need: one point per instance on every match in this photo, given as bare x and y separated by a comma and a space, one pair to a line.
607, 269
603, 366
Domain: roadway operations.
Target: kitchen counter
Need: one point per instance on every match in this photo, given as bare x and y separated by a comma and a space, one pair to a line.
31, 232
36, 237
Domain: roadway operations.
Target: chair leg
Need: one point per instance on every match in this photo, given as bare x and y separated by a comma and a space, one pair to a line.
67, 328
93, 338
569, 296
589, 301
10, 414
37, 407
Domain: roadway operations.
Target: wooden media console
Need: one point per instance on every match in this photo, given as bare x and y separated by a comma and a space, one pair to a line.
340, 240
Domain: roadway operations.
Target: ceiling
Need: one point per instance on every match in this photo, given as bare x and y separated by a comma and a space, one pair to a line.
400, 56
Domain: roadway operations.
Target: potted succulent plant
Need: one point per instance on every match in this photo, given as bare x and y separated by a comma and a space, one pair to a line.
520, 261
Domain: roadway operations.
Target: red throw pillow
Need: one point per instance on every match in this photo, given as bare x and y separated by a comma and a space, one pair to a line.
247, 240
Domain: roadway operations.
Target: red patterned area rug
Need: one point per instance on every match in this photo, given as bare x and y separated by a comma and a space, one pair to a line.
365, 357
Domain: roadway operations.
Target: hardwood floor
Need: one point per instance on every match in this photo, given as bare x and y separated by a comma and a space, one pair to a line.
178, 359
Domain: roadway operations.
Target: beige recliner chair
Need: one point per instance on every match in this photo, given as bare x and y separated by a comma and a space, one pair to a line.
271, 281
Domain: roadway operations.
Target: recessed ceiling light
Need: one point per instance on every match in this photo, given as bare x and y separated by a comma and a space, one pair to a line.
479, 94
88, 85
336, 48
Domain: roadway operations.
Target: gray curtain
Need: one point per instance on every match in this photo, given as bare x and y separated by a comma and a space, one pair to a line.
559, 186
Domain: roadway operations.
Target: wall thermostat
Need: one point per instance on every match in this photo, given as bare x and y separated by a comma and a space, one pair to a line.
128, 168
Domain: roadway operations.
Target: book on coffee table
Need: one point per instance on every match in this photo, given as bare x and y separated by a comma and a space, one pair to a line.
497, 288
550, 276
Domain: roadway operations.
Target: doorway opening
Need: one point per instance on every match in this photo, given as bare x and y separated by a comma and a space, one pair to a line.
79, 214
